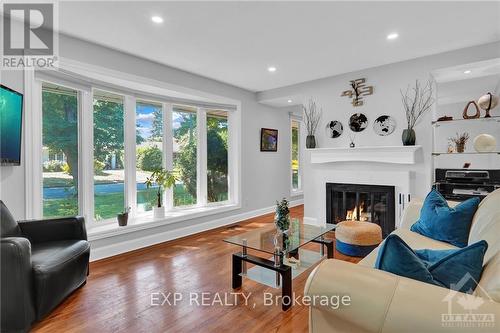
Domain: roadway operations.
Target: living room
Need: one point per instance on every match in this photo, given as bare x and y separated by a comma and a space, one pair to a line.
250, 166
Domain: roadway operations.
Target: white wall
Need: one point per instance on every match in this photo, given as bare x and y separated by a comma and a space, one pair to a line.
387, 81
265, 176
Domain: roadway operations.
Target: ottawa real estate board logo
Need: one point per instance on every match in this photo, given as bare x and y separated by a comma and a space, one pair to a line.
29, 35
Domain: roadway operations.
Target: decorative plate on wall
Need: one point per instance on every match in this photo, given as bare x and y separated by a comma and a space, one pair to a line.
358, 122
384, 125
336, 128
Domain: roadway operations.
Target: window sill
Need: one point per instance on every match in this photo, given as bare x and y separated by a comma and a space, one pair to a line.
147, 221
296, 193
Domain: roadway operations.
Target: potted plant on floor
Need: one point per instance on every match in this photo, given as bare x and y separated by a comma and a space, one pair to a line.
416, 102
123, 217
162, 179
311, 119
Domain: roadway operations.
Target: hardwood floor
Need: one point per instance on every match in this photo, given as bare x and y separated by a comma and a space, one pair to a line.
117, 296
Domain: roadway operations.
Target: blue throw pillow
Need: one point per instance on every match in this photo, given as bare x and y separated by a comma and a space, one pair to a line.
440, 222
458, 269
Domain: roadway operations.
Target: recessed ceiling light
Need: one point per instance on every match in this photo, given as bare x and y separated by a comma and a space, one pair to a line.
271, 69
289, 101
157, 19
393, 35
467, 71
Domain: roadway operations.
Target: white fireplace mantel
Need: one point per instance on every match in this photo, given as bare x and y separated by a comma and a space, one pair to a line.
380, 154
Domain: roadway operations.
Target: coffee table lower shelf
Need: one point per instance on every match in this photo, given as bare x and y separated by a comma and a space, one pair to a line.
274, 275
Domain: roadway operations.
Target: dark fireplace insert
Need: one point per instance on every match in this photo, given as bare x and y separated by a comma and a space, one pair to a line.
369, 203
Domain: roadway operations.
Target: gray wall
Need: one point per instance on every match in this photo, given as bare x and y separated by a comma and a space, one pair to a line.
264, 177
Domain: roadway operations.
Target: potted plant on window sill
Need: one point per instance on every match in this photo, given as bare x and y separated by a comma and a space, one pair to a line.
123, 217
163, 179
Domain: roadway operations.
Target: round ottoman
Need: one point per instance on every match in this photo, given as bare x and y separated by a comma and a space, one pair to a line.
356, 238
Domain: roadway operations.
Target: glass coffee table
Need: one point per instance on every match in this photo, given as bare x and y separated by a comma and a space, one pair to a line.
282, 256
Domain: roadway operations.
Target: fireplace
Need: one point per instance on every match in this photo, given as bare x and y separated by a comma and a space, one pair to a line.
370, 203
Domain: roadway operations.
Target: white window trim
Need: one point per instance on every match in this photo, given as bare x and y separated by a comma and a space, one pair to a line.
299, 191
34, 197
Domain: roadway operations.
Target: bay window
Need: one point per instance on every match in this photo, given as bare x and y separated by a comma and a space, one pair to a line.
149, 150
97, 147
109, 166
60, 113
184, 131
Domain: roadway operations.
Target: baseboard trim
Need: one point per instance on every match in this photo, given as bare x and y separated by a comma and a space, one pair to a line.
115, 248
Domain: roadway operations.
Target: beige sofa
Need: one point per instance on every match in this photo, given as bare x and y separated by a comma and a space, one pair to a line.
384, 302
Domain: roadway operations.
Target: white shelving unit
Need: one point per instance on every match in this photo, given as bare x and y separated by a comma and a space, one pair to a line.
454, 89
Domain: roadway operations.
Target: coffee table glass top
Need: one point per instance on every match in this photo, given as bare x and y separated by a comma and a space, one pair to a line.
267, 239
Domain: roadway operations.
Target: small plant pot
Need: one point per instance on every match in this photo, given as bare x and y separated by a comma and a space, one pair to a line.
122, 219
158, 212
460, 148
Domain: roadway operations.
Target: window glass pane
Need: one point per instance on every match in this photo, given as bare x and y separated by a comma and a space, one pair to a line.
184, 155
217, 144
295, 155
109, 175
149, 151
60, 150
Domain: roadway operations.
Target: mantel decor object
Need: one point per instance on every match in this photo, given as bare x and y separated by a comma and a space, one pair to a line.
312, 116
488, 102
359, 89
282, 216
466, 111
416, 100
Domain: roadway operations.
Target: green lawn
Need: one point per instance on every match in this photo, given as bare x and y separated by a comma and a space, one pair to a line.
108, 205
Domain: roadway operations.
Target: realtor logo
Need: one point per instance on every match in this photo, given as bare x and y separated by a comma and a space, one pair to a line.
468, 312
29, 37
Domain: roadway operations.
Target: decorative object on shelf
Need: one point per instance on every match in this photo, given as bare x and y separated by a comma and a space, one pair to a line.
312, 116
351, 138
445, 118
282, 216
123, 217
336, 128
488, 102
460, 140
416, 103
268, 139
484, 143
451, 148
358, 122
384, 125
163, 179
359, 89
474, 116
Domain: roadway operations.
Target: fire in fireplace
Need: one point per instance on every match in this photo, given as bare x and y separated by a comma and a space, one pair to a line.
369, 203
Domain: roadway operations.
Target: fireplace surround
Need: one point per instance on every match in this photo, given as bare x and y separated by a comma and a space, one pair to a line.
370, 203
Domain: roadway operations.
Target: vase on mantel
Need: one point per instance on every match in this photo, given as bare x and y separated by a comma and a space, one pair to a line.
310, 141
409, 137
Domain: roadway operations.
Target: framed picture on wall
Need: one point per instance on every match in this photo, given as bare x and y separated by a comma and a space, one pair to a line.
268, 139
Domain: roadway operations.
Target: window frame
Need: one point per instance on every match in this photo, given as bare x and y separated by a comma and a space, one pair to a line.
34, 207
299, 190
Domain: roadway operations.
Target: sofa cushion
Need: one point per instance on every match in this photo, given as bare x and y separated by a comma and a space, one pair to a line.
8, 225
458, 269
414, 240
440, 222
59, 267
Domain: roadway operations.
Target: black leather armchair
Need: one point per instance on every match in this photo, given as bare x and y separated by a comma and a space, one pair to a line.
42, 262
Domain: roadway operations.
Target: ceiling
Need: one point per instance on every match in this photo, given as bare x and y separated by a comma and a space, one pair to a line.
235, 42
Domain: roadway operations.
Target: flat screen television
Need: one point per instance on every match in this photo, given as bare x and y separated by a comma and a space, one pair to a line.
11, 119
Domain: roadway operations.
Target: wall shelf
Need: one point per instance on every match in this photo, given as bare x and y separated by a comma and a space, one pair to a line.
467, 153
443, 122
380, 154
